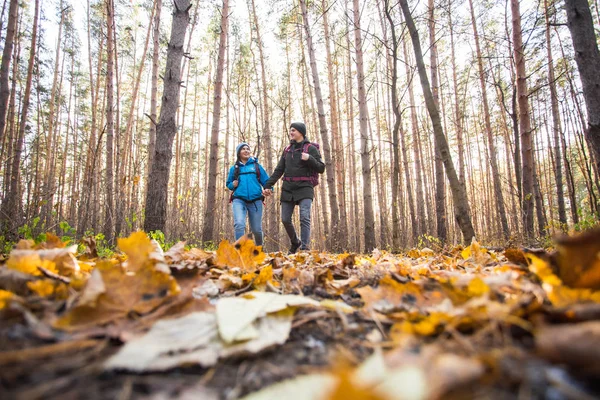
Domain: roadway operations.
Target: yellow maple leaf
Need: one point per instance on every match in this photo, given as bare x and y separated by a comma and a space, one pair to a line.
49, 287
28, 261
477, 287
265, 276
559, 294
138, 248
543, 270
563, 296
244, 254
476, 252
5, 297
414, 253
421, 325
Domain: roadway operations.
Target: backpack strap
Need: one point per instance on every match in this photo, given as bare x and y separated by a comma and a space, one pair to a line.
257, 169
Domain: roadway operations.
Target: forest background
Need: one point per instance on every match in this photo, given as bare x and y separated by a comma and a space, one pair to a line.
83, 90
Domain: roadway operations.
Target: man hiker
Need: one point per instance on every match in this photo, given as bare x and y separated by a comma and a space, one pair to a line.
300, 165
246, 180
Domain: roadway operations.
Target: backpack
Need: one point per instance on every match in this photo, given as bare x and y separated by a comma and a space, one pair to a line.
313, 176
236, 176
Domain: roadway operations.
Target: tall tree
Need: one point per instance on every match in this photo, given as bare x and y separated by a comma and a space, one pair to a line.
556, 123
337, 158
364, 134
587, 56
396, 139
266, 137
13, 16
154, 87
524, 121
158, 180
440, 186
459, 197
333, 204
110, 120
499, 197
11, 207
209, 206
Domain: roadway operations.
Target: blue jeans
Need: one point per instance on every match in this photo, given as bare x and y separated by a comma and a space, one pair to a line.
254, 210
287, 210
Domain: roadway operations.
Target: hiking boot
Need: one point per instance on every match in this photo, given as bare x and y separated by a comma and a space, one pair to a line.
294, 247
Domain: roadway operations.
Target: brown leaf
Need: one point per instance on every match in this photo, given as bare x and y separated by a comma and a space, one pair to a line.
124, 293
575, 345
578, 259
515, 255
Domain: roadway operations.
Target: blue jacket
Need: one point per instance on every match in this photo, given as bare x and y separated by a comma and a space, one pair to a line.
249, 188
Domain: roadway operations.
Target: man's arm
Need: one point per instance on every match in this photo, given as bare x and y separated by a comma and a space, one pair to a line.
314, 160
279, 169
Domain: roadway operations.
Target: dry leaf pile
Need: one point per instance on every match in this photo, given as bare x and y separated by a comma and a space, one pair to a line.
186, 323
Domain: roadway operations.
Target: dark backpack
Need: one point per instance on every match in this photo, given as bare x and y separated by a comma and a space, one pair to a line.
313, 176
236, 176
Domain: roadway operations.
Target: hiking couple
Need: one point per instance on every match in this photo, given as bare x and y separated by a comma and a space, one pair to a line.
250, 184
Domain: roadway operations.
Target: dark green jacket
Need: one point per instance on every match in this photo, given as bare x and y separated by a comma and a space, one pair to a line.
291, 164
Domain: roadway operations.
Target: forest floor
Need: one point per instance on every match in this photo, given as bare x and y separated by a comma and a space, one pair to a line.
146, 324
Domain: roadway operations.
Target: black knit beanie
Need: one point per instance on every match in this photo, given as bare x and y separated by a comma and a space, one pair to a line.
300, 127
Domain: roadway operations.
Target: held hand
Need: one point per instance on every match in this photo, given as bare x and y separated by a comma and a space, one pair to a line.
267, 192
305, 156
235, 183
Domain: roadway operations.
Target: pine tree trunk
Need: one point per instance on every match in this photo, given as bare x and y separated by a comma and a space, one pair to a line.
396, 145
420, 228
266, 137
154, 89
457, 109
90, 164
337, 158
365, 149
458, 193
12, 211
49, 186
13, 16
556, 126
210, 206
351, 166
524, 121
587, 56
158, 180
440, 187
110, 123
331, 187
499, 197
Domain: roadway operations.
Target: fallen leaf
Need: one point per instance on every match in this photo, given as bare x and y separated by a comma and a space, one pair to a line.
575, 345
578, 259
124, 292
237, 314
49, 287
194, 340
5, 298
304, 387
244, 254
205, 289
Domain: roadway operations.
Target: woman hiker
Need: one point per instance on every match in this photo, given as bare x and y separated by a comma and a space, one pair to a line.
299, 164
246, 180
